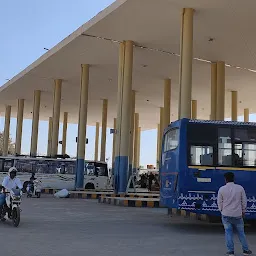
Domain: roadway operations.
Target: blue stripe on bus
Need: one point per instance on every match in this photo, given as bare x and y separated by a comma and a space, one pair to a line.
79, 173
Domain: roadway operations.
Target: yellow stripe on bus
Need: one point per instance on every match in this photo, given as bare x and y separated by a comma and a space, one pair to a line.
222, 168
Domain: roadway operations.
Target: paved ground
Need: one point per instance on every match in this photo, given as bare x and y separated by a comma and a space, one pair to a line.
68, 227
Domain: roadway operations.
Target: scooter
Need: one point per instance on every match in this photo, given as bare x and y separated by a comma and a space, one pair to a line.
34, 188
11, 210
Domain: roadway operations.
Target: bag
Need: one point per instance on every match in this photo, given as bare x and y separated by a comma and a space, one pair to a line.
62, 194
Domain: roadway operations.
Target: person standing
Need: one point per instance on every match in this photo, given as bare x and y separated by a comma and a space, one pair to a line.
232, 203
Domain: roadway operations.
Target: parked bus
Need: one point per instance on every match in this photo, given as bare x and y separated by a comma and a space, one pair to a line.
57, 173
195, 156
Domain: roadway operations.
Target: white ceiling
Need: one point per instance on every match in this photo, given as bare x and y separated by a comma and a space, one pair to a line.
153, 24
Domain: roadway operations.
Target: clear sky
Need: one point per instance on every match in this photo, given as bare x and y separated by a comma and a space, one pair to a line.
27, 27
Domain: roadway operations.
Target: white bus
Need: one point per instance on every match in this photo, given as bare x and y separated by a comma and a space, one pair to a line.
57, 173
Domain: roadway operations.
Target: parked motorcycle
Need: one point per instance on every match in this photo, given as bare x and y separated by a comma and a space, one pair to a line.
11, 210
34, 188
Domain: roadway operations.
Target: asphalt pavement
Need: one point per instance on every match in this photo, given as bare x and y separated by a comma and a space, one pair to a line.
71, 227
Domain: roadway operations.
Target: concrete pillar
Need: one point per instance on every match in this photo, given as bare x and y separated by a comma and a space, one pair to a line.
114, 143
19, 126
213, 91
56, 117
246, 115
132, 134
138, 148
220, 103
161, 131
186, 63
234, 105
123, 115
104, 130
158, 146
167, 102
136, 139
82, 122
7, 120
49, 146
35, 123
96, 148
194, 109
64, 133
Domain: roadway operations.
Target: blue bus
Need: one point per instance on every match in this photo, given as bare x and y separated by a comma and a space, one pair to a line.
195, 156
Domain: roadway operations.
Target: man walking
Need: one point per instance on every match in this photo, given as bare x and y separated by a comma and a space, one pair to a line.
232, 204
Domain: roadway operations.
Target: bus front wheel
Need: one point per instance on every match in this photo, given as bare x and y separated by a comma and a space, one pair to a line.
89, 186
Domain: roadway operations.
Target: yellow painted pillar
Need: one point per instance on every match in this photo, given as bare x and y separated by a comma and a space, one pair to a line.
136, 141
123, 115
7, 120
82, 122
64, 133
167, 102
158, 146
132, 134
56, 116
246, 115
114, 143
194, 109
213, 90
234, 106
49, 146
186, 46
161, 130
19, 126
96, 147
220, 104
104, 130
35, 123
138, 146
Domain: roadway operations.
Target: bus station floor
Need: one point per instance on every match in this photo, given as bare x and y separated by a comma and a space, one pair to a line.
64, 227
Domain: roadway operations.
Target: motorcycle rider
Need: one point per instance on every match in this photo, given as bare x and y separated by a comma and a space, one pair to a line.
10, 182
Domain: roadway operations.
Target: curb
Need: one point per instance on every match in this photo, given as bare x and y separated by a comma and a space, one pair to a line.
130, 202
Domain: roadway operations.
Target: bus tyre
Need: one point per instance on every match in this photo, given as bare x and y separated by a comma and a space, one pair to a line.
89, 186
252, 223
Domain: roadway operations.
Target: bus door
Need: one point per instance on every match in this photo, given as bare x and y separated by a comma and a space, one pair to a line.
169, 166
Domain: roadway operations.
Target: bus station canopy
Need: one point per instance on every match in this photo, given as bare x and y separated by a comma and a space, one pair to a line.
223, 31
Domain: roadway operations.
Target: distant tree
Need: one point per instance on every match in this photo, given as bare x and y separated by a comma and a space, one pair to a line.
11, 146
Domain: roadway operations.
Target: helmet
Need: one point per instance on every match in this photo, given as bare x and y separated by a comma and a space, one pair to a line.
12, 169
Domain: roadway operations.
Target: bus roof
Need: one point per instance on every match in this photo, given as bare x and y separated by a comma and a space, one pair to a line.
221, 122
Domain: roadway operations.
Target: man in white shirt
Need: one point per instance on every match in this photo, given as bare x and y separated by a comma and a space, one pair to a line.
10, 182
232, 204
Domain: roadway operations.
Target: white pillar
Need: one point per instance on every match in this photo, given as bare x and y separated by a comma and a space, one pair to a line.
82, 122
114, 143
64, 133
123, 115
19, 126
35, 123
6, 129
167, 102
104, 130
56, 117
220, 105
49, 146
186, 63
96, 150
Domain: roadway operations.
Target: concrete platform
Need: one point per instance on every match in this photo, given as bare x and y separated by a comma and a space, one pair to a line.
131, 202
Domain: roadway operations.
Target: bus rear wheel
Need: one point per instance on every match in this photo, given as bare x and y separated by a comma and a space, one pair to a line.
89, 186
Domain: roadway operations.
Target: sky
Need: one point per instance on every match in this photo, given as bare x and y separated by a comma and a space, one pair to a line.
29, 26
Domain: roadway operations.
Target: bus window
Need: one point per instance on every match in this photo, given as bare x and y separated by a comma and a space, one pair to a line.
246, 153
171, 140
224, 147
201, 155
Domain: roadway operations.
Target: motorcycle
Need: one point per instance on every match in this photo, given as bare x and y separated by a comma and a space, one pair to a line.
11, 210
34, 189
